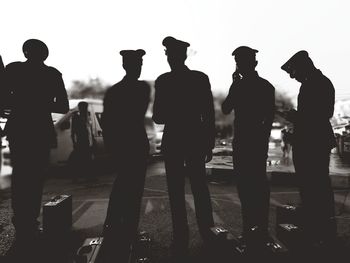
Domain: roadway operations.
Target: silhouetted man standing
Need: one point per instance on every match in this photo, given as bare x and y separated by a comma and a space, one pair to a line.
312, 143
35, 90
252, 99
125, 137
184, 103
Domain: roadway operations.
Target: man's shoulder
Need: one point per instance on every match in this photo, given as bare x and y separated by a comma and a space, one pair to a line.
266, 84
163, 77
324, 79
199, 74
112, 88
115, 88
144, 84
53, 71
14, 65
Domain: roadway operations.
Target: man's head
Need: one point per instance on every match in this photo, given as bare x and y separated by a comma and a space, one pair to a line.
83, 106
176, 51
35, 50
132, 62
299, 66
245, 58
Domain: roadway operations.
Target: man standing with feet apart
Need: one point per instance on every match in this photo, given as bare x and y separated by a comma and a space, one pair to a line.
184, 103
252, 99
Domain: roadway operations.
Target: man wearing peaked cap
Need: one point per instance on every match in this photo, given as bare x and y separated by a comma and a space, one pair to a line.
312, 142
33, 89
174, 44
244, 51
125, 103
132, 54
252, 99
184, 103
298, 60
35, 49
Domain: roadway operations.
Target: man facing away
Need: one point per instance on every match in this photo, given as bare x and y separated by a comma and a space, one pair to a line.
252, 99
184, 103
34, 91
125, 105
311, 150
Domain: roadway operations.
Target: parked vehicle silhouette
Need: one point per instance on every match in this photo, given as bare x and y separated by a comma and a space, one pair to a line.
62, 122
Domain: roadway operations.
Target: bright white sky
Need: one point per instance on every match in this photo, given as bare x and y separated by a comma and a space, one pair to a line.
85, 36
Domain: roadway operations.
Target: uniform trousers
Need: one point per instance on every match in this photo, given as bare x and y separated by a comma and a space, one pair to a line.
29, 162
175, 163
123, 213
253, 187
317, 197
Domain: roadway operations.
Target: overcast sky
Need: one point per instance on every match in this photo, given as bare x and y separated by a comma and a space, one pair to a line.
84, 37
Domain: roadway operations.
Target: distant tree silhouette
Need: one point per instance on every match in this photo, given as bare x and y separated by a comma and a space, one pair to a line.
93, 88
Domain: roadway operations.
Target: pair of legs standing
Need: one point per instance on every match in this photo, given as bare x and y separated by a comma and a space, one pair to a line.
175, 163
123, 212
29, 163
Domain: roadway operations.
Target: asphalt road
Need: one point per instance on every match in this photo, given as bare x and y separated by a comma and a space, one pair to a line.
90, 202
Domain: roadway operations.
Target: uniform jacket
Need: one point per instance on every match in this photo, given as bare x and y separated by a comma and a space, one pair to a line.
33, 92
315, 108
253, 101
184, 103
124, 108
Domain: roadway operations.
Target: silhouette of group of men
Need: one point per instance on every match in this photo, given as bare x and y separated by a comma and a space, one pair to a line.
184, 104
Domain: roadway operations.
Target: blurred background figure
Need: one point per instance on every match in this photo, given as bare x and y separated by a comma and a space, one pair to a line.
125, 103
34, 90
83, 141
286, 144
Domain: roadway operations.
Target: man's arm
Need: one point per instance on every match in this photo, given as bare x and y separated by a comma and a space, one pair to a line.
208, 118
270, 111
2, 86
60, 103
73, 129
228, 104
158, 105
326, 98
2, 82
147, 95
6, 88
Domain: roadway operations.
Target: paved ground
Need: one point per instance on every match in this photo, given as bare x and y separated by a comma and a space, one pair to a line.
90, 203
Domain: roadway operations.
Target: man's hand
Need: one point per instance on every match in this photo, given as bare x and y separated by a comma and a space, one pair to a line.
236, 76
208, 156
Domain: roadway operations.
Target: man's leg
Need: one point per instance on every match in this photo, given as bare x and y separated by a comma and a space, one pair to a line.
316, 193
200, 191
321, 196
254, 194
120, 223
27, 187
116, 198
174, 166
